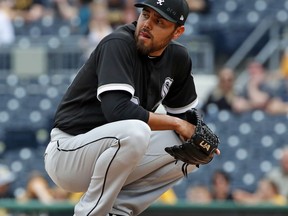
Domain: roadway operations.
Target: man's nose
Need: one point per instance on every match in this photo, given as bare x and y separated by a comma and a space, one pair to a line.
148, 24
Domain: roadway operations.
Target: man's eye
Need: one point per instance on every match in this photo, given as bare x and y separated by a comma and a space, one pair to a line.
159, 21
145, 15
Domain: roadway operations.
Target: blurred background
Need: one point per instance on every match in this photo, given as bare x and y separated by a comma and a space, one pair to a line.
239, 50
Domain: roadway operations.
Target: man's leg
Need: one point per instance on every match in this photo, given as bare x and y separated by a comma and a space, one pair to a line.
97, 162
155, 174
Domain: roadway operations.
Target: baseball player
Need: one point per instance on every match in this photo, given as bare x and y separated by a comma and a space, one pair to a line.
107, 140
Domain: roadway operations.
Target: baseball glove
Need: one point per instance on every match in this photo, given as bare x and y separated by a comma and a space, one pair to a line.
200, 148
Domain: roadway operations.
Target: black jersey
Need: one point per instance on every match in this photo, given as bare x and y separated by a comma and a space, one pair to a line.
116, 65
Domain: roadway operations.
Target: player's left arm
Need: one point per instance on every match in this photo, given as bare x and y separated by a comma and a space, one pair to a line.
182, 94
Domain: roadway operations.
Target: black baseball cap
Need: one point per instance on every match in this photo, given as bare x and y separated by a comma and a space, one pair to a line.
175, 11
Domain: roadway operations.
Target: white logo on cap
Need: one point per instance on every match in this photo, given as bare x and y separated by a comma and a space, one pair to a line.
160, 2
182, 17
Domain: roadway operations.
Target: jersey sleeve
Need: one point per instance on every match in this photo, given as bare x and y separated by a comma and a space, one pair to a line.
115, 67
182, 95
116, 106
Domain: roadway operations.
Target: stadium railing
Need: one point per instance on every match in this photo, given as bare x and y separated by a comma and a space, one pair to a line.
36, 208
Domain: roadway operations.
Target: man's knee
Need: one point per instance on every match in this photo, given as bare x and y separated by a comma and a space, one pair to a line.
138, 135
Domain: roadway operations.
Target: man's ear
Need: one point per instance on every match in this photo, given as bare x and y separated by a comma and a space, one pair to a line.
178, 32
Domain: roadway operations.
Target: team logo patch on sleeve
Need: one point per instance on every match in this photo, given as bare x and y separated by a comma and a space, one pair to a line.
164, 91
166, 86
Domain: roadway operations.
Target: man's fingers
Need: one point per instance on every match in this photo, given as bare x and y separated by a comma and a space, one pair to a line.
217, 151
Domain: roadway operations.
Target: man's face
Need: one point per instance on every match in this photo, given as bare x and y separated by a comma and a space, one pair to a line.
153, 32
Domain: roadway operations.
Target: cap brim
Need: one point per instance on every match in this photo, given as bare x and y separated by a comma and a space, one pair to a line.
141, 5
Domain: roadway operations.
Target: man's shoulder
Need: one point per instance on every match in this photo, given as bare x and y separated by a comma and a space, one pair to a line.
178, 48
125, 33
178, 51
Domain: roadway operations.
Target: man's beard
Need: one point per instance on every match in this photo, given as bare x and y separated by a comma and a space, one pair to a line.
146, 50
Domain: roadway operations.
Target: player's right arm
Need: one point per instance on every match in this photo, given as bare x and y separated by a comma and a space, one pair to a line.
159, 121
117, 105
